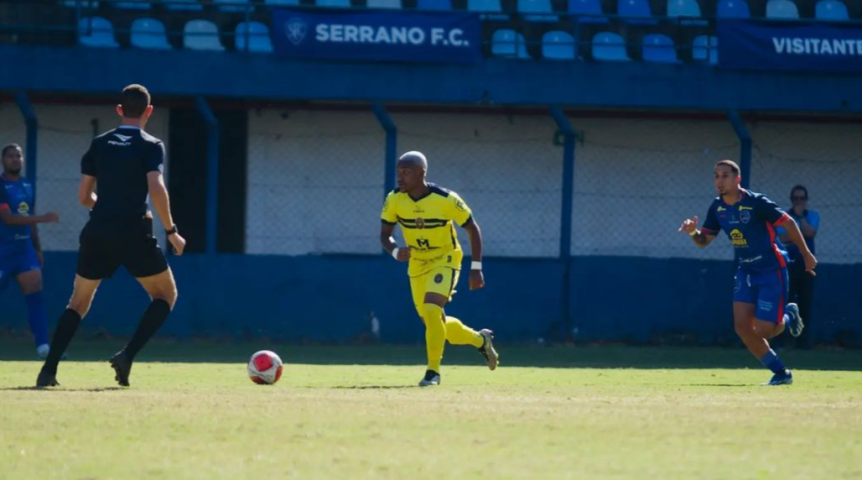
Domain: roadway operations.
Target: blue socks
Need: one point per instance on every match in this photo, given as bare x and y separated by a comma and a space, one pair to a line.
37, 317
771, 361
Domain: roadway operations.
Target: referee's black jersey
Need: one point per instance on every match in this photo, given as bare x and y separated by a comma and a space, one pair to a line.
120, 159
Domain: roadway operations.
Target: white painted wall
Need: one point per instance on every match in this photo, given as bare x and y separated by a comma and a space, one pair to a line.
827, 159
316, 178
64, 135
637, 180
315, 182
507, 169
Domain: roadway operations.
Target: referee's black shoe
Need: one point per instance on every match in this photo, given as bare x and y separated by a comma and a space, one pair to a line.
122, 366
47, 378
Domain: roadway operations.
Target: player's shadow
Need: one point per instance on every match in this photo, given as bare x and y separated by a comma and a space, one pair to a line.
512, 355
722, 385
61, 389
373, 387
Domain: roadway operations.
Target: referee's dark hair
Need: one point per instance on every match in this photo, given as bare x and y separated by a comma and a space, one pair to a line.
135, 101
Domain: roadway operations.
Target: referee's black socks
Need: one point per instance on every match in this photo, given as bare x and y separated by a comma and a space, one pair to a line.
152, 320
66, 328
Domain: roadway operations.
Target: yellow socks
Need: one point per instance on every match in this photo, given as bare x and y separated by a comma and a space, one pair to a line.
435, 335
459, 334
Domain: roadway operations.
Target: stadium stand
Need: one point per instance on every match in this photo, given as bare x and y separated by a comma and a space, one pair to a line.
202, 35
149, 33
557, 45
96, 32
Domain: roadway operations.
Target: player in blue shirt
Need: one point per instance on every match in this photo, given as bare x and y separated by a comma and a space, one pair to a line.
20, 251
760, 290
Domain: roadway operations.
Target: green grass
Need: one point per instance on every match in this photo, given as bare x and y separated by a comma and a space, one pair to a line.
354, 413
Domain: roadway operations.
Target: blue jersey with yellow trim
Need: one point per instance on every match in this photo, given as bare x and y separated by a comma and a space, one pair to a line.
16, 196
427, 223
750, 224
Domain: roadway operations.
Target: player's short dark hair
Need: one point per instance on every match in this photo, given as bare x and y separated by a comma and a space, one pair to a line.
795, 188
15, 145
136, 99
730, 163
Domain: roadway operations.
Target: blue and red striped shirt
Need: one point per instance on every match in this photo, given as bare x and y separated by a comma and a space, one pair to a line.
750, 224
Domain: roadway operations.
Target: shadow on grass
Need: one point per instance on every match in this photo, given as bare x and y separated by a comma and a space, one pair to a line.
722, 385
373, 387
557, 356
61, 389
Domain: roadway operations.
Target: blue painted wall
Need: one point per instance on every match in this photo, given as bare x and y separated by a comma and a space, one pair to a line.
492, 82
330, 298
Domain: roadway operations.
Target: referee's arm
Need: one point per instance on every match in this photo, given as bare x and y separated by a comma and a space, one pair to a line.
87, 191
159, 196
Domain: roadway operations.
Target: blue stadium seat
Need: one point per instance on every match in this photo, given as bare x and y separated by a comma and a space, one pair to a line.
688, 10
434, 5
587, 7
732, 9
491, 9
508, 43
558, 45
96, 32
705, 49
387, 4
333, 3
149, 33
234, 5
831, 10
637, 12
202, 35
609, 47
781, 10
537, 11
281, 3
133, 5
90, 4
183, 5
658, 48
258, 37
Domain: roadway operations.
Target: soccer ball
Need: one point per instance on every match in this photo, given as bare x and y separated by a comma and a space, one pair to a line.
264, 367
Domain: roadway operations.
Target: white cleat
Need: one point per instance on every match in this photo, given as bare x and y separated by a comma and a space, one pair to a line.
431, 378
42, 351
795, 325
487, 349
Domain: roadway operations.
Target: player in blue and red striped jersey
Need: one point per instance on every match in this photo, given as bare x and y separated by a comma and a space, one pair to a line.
760, 290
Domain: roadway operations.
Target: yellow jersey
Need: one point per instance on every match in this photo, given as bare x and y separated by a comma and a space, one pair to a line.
427, 226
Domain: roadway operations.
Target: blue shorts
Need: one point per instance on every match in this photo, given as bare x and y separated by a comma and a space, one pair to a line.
767, 290
15, 261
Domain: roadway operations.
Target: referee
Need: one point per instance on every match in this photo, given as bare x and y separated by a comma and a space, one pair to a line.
126, 163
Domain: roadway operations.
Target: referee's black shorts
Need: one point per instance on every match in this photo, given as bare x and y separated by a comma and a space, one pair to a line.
104, 248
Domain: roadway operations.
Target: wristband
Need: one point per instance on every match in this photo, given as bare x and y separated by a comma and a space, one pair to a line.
395, 253
476, 266
693, 232
172, 231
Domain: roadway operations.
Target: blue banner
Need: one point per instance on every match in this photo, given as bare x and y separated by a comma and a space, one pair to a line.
370, 35
789, 45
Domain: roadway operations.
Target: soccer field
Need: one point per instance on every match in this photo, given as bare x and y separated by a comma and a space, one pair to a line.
354, 413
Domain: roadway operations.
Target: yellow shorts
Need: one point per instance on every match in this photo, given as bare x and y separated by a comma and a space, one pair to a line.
440, 280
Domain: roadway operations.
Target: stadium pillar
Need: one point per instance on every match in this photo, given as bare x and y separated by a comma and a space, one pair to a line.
32, 124
744, 148
212, 172
568, 132
391, 142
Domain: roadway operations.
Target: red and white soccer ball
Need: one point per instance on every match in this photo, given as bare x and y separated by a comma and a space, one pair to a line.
264, 367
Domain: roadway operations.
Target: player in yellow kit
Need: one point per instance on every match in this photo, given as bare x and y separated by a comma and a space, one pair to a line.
425, 212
